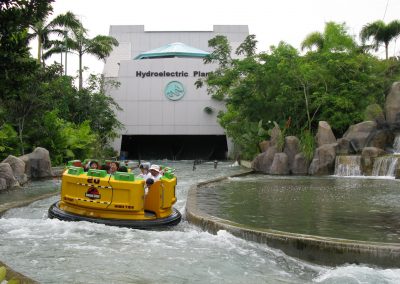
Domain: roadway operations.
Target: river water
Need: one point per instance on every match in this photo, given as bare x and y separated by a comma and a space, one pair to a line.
53, 251
364, 209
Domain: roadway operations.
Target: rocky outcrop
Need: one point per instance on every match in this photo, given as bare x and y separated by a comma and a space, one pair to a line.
16, 171
275, 134
368, 156
300, 165
292, 148
7, 179
381, 138
358, 134
18, 168
280, 164
323, 162
264, 145
344, 147
324, 134
262, 163
37, 163
392, 103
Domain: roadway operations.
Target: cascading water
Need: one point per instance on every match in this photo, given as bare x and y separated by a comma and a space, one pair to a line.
348, 165
386, 165
396, 144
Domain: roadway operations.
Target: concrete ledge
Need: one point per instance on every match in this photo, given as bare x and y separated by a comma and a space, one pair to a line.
320, 250
17, 276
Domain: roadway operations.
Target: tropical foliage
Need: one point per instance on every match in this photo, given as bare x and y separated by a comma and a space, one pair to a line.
39, 106
76, 40
380, 33
58, 26
334, 82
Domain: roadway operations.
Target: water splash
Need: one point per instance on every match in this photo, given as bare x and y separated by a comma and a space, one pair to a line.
385, 166
348, 166
396, 144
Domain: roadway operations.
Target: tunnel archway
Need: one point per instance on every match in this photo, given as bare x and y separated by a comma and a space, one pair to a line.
174, 147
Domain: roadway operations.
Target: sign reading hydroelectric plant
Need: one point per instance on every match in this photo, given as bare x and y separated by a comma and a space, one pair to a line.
149, 74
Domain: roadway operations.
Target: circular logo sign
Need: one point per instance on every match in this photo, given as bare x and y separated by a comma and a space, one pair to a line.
174, 91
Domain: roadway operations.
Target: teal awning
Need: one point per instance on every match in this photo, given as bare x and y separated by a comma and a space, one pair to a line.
176, 49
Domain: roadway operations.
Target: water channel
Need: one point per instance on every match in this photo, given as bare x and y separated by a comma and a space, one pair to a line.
52, 251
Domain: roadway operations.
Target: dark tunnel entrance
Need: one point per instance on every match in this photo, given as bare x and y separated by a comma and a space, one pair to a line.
174, 147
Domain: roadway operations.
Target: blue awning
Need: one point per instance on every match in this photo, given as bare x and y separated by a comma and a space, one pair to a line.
176, 49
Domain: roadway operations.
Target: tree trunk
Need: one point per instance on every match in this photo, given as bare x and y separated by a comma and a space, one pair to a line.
306, 103
387, 50
80, 72
20, 131
66, 60
39, 56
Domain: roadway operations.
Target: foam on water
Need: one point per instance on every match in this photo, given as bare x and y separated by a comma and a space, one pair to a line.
358, 274
53, 251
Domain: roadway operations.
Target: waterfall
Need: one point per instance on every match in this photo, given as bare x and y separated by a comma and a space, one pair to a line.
396, 144
385, 166
348, 165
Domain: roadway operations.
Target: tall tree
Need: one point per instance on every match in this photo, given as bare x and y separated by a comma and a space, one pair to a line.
381, 33
334, 39
78, 41
57, 26
19, 72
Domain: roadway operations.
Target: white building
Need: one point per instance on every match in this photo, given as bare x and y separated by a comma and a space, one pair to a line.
164, 115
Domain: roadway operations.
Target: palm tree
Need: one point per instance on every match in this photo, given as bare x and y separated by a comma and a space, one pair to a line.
381, 33
56, 26
314, 39
99, 46
334, 38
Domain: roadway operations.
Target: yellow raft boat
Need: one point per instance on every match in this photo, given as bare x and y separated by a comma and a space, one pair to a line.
116, 200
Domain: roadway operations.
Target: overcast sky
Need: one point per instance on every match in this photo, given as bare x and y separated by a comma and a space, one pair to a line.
271, 21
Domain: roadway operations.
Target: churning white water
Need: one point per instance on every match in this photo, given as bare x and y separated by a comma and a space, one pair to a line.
53, 251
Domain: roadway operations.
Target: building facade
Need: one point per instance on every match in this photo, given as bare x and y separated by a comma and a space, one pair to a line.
164, 114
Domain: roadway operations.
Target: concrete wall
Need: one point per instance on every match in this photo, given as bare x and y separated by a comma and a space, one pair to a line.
321, 250
146, 108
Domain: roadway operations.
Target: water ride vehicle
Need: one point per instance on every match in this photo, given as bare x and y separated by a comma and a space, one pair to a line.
117, 200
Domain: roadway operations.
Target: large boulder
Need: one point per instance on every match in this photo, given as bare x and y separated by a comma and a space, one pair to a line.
275, 135
18, 168
264, 145
368, 156
358, 134
381, 138
38, 164
392, 103
7, 179
280, 164
323, 162
344, 147
292, 148
25, 159
300, 165
324, 134
262, 163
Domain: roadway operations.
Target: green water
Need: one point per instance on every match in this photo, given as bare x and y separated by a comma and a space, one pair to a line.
347, 208
30, 190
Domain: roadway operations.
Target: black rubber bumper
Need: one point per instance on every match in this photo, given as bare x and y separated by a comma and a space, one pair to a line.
173, 219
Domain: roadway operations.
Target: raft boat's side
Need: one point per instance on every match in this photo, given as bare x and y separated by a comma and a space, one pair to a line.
117, 200
171, 220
